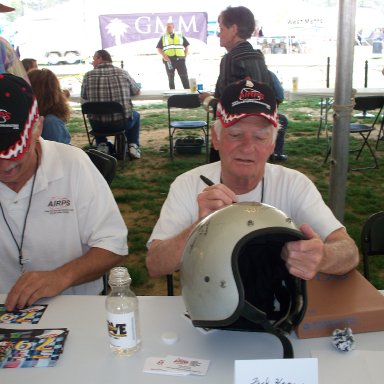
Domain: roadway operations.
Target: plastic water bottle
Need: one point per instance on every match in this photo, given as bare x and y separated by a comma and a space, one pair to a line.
122, 308
200, 87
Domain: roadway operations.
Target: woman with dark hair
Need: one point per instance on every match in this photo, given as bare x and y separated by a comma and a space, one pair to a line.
53, 105
242, 61
29, 64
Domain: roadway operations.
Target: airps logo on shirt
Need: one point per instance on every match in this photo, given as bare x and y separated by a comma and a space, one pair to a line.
59, 205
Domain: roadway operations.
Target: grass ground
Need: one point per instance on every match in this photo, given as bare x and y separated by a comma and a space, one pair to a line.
140, 187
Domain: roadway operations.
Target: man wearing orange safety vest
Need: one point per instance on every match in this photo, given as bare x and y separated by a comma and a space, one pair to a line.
173, 47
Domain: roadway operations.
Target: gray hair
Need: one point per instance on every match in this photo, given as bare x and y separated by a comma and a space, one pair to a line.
218, 125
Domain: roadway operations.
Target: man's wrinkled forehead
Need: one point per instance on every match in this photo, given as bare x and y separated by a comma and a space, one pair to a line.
252, 122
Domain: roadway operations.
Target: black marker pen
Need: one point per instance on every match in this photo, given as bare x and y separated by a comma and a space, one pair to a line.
206, 180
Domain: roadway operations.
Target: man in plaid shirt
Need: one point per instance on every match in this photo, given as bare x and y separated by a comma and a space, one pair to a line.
109, 83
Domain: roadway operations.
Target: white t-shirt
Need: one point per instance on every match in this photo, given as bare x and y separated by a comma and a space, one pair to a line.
286, 189
72, 210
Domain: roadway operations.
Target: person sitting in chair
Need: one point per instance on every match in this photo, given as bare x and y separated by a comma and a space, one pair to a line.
60, 227
109, 83
244, 133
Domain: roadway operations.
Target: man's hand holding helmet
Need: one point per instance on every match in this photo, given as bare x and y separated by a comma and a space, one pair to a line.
303, 258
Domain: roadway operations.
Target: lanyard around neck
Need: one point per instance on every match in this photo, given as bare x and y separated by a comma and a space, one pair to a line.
22, 261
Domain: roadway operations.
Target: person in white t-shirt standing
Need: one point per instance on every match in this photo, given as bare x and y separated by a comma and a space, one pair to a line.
244, 134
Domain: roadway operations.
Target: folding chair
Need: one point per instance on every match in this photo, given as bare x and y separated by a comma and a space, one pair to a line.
170, 285
175, 104
380, 136
106, 108
106, 164
364, 103
325, 107
372, 239
368, 103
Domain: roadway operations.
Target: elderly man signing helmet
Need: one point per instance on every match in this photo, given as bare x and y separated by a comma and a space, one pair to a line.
244, 134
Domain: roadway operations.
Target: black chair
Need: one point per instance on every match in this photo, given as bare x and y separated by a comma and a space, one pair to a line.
106, 108
325, 107
380, 136
175, 104
107, 165
372, 239
170, 285
364, 104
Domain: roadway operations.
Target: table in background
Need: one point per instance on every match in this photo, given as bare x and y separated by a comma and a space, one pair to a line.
87, 358
146, 95
329, 92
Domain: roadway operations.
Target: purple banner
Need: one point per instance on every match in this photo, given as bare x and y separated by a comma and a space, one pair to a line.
121, 29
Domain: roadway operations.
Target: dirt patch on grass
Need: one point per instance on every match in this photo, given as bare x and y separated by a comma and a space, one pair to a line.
150, 139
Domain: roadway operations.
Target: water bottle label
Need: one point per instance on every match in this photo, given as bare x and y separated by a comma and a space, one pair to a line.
122, 330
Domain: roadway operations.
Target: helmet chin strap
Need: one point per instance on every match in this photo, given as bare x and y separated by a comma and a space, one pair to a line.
251, 313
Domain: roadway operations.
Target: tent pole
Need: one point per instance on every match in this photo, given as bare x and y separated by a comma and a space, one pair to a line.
342, 107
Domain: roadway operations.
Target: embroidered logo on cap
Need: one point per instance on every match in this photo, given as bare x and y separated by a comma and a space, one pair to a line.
4, 116
250, 93
246, 98
251, 96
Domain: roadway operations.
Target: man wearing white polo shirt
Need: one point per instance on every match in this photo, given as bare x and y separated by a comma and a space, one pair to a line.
60, 226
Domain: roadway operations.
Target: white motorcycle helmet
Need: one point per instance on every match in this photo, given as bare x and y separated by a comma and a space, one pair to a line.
232, 275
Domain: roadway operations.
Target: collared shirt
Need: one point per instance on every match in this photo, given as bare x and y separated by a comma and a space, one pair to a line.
72, 210
284, 188
109, 83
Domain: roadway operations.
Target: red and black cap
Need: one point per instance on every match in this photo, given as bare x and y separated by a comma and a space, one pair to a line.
247, 98
18, 115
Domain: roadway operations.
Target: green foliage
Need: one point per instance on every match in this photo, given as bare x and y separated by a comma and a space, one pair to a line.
76, 125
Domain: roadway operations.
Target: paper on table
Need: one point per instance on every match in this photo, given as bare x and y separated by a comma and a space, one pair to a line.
276, 371
31, 314
156, 365
353, 367
187, 364
176, 365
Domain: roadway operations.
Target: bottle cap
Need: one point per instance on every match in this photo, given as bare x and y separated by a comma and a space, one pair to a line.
169, 337
119, 276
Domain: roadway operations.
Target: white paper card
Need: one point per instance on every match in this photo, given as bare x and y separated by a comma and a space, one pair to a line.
176, 366
276, 371
156, 365
187, 364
